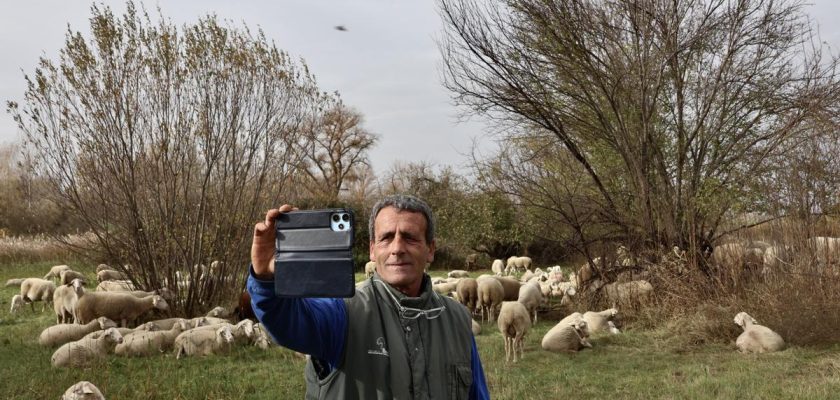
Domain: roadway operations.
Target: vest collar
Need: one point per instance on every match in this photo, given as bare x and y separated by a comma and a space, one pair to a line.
424, 301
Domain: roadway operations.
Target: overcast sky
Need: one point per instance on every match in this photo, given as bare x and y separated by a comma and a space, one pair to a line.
386, 64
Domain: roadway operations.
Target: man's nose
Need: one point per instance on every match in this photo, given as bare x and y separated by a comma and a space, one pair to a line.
398, 245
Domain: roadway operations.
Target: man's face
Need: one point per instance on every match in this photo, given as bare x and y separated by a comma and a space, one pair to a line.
400, 250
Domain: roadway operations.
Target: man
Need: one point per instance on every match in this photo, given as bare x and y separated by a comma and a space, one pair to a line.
396, 338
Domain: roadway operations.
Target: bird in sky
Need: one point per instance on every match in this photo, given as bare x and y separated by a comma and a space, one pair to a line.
341, 28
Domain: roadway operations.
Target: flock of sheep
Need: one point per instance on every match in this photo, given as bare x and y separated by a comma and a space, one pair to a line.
117, 319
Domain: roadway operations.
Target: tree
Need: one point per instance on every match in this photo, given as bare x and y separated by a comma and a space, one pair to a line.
168, 143
667, 109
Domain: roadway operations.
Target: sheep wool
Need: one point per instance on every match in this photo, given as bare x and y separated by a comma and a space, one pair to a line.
83, 390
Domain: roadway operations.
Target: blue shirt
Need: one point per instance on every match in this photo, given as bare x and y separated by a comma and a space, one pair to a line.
318, 327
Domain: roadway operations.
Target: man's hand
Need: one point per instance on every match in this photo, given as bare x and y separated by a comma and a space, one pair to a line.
262, 249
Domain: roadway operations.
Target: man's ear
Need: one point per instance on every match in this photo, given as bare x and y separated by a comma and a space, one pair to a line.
371, 253
431, 256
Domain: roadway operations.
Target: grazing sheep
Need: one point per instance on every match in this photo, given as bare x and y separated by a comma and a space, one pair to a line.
497, 267
526, 276
243, 332
115, 286
17, 302
218, 312
203, 342
82, 353
490, 294
514, 322
756, 338
163, 292
467, 290
445, 289
118, 306
567, 336
458, 273
14, 282
516, 264
59, 334
530, 295
65, 298
631, 294
612, 328
598, 321
476, 328
511, 287
109, 275
145, 343
34, 289
82, 390
370, 268
68, 275
471, 261
55, 271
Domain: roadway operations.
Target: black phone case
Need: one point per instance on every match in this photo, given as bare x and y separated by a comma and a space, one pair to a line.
312, 260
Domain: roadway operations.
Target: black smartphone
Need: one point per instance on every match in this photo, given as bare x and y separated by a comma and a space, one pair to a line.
314, 254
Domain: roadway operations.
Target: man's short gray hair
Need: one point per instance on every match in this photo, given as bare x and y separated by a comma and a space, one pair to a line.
404, 202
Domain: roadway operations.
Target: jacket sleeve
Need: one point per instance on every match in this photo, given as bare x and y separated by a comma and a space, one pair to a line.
478, 390
314, 326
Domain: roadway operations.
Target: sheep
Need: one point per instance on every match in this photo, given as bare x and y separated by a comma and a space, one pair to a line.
118, 306
756, 338
66, 276
467, 290
631, 293
115, 286
82, 390
445, 288
458, 273
163, 292
59, 334
55, 271
612, 328
83, 353
514, 322
515, 264
370, 268
511, 287
490, 294
526, 276
14, 282
567, 336
65, 298
203, 342
729, 254
243, 331
109, 275
17, 302
218, 312
34, 289
470, 261
103, 267
825, 249
144, 343
531, 297
598, 321
476, 328
497, 267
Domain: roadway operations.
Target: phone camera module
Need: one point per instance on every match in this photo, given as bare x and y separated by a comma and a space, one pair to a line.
335, 217
341, 227
345, 217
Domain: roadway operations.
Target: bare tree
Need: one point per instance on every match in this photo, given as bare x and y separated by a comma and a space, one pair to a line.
169, 143
668, 109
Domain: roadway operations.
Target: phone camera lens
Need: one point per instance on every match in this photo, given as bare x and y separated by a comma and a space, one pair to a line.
345, 217
335, 217
341, 227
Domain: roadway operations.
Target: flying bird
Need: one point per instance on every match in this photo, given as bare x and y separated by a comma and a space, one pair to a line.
341, 28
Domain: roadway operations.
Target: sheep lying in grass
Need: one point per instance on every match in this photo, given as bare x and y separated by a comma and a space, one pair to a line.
490, 294
145, 343
756, 338
569, 335
243, 331
65, 298
514, 322
630, 294
60, 334
55, 271
102, 267
458, 273
117, 306
599, 321
83, 390
83, 353
34, 289
203, 342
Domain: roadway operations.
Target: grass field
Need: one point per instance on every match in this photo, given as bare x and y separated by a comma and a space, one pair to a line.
635, 364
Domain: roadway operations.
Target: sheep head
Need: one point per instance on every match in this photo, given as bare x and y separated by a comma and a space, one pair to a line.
105, 323
159, 303
225, 334
744, 320
113, 335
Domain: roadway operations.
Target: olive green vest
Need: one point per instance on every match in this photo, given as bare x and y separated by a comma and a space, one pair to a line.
389, 357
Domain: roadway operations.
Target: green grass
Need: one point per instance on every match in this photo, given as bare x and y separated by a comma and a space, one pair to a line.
635, 364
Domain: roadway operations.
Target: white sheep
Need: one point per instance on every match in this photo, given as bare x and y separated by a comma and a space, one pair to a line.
65, 298
370, 268
511, 287
530, 295
261, 338
514, 323
145, 343
118, 306
569, 335
82, 390
490, 294
526, 276
631, 293
467, 290
598, 321
203, 342
516, 264
55, 271
446, 288
82, 353
243, 331
17, 303
115, 286
612, 328
756, 338
109, 275
66, 276
102, 267
60, 334
34, 289
218, 312
14, 282
497, 267
458, 273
